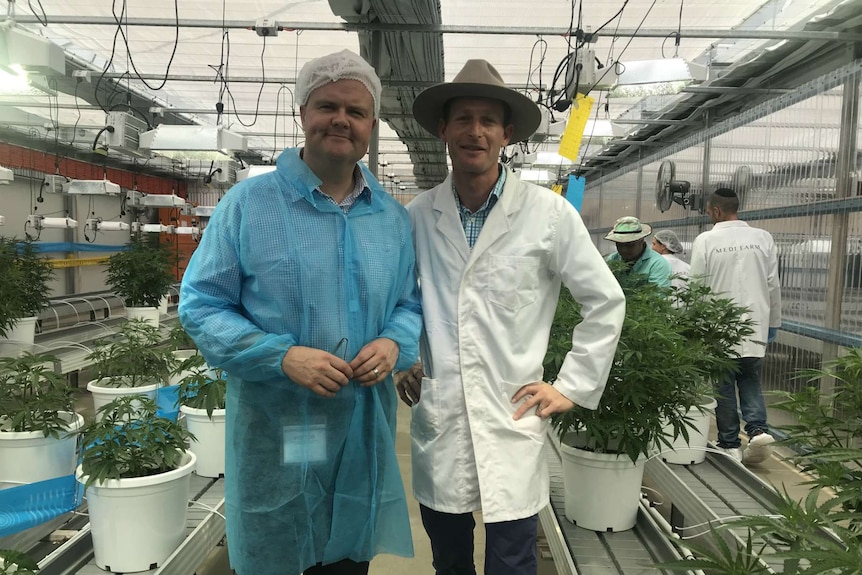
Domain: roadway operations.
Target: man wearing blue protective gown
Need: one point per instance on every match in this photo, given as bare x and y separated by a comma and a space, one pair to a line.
303, 290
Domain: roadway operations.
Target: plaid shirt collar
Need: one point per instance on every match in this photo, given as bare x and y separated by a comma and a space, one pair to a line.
473, 222
360, 187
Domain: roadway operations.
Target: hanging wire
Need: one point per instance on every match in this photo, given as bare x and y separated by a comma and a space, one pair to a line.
119, 21
43, 20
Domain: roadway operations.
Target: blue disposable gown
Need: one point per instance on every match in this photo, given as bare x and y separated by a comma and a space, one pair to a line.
307, 478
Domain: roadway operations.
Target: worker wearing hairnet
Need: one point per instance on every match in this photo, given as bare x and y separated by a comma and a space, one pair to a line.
303, 290
666, 243
629, 235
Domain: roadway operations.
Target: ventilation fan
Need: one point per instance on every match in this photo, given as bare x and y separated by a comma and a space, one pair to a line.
668, 190
663, 196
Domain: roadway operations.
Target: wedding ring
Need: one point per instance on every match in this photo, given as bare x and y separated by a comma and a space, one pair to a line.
376, 372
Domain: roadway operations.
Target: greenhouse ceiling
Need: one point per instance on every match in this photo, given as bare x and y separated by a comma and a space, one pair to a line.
178, 61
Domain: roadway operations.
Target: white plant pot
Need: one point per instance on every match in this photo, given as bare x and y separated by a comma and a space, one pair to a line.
693, 451
209, 446
137, 523
23, 331
148, 314
29, 456
182, 355
103, 395
602, 490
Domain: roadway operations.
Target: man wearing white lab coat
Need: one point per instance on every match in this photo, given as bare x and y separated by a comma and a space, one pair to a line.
492, 252
740, 262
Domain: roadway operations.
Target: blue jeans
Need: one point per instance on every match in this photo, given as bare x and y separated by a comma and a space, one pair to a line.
747, 382
510, 546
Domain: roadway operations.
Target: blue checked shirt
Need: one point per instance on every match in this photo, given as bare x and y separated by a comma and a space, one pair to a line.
473, 222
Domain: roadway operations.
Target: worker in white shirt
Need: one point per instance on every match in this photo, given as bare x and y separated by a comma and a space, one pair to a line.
740, 262
666, 243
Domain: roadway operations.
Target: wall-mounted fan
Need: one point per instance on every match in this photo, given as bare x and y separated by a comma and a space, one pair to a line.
669, 190
663, 196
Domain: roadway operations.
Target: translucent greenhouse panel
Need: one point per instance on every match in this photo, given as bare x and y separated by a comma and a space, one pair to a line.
786, 158
619, 198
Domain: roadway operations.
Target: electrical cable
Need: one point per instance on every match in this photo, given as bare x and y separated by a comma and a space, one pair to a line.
118, 20
44, 19
78, 109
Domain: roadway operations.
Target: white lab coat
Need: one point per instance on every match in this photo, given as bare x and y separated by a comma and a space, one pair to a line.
679, 268
487, 315
740, 262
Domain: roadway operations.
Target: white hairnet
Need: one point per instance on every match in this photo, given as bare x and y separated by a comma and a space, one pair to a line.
344, 65
669, 239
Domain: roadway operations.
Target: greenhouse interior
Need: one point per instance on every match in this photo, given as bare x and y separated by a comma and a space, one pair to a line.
128, 128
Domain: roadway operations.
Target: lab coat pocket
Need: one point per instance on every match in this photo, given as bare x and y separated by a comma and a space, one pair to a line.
425, 418
530, 424
513, 281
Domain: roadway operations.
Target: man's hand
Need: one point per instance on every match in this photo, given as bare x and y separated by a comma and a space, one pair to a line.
409, 384
545, 399
319, 371
375, 361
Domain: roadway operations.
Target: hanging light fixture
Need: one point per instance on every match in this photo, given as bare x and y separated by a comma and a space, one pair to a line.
664, 76
6, 175
603, 129
193, 142
253, 171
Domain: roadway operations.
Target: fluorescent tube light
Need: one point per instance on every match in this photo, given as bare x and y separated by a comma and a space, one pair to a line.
106, 226
162, 201
150, 228
204, 211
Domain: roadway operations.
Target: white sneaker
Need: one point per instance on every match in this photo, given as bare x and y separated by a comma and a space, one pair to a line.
731, 452
758, 448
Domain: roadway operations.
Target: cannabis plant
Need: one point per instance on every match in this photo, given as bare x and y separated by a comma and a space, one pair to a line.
666, 354
198, 389
33, 396
141, 274
24, 280
131, 440
132, 358
822, 534
16, 563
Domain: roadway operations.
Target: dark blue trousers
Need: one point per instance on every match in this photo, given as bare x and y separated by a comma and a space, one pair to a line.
510, 546
343, 567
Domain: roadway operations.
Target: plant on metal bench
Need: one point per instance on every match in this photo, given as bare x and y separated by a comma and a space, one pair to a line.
24, 288
201, 398
37, 416
821, 533
658, 374
136, 471
142, 274
133, 361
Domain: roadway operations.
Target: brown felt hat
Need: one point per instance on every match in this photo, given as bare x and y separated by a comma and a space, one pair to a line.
477, 79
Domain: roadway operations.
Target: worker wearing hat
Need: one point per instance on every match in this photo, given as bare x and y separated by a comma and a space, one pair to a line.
492, 253
629, 235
